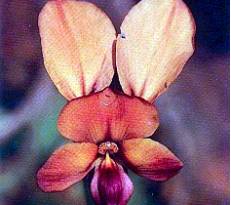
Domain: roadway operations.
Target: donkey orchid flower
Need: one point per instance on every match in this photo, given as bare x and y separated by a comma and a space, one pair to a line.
109, 129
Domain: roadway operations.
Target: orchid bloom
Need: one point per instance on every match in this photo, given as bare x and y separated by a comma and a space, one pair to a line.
109, 129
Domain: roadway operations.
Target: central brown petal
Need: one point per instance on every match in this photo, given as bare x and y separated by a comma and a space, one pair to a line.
93, 118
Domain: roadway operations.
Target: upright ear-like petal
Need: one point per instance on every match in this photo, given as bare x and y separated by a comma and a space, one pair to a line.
150, 159
156, 41
67, 165
107, 116
77, 42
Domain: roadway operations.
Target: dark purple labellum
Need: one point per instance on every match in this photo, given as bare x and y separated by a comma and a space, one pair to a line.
110, 185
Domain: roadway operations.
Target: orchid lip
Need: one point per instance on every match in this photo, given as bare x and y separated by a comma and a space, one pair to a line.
110, 184
108, 147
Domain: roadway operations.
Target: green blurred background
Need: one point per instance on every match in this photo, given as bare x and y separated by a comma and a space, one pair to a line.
193, 113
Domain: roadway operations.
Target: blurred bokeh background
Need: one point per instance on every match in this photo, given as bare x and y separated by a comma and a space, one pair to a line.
194, 113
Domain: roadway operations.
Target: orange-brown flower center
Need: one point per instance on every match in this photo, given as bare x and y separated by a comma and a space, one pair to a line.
109, 147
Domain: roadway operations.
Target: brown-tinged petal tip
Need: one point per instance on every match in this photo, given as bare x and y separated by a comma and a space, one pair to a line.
66, 166
150, 159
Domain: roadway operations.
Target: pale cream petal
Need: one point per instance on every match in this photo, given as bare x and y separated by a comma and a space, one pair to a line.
156, 41
77, 43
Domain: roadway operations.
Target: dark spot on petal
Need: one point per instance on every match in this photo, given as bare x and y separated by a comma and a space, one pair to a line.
123, 35
166, 85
